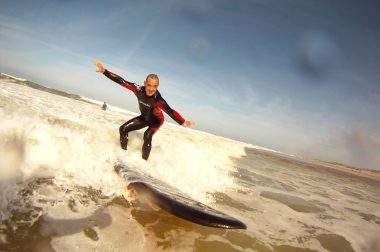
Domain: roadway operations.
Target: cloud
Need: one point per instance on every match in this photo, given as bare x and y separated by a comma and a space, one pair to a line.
139, 42
13, 31
256, 129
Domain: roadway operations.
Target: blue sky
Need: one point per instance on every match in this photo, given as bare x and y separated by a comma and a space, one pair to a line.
300, 77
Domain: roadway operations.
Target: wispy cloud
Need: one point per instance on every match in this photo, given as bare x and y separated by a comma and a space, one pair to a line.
139, 42
25, 33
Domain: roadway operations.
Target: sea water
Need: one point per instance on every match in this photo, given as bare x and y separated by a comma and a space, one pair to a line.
58, 190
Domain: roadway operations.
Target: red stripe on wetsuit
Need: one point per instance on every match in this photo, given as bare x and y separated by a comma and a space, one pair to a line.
116, 78
172, 113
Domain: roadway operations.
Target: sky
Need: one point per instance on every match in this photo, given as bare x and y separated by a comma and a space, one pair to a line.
300, 77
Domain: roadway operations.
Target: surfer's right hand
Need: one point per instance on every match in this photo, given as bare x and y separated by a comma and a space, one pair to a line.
188, 123
100, 66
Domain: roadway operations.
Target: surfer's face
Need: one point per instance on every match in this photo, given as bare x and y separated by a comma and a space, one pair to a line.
151, 85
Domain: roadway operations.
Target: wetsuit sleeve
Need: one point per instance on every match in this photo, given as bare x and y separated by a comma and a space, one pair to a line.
162, 104
116, 78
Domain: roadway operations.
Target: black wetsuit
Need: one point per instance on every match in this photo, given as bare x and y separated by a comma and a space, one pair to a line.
151, 114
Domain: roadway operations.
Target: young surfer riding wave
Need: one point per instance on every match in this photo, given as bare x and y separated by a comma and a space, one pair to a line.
151, 105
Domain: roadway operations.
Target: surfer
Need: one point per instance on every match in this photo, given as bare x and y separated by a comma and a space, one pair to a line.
151, 105
104, 106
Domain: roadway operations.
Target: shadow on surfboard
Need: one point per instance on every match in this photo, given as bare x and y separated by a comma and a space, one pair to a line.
158, 195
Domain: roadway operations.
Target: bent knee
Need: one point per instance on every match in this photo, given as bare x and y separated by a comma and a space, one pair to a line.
121, 129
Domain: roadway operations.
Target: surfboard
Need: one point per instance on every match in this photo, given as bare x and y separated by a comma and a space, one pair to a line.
159, 194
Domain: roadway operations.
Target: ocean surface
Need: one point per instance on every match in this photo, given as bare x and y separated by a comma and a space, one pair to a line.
59, 192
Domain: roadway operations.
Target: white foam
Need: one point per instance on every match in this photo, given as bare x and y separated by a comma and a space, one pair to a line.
13, 77
91, 100
110, 107
263, 148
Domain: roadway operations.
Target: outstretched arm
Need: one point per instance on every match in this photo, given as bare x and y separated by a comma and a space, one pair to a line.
162, 104
116, 78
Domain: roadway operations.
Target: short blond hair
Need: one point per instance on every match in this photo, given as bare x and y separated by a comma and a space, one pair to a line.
153, 76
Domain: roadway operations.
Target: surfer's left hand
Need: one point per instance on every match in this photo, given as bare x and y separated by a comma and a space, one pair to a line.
188, 123
100, 66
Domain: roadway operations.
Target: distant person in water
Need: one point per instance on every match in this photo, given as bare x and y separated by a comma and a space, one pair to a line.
151, 105
104, 106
